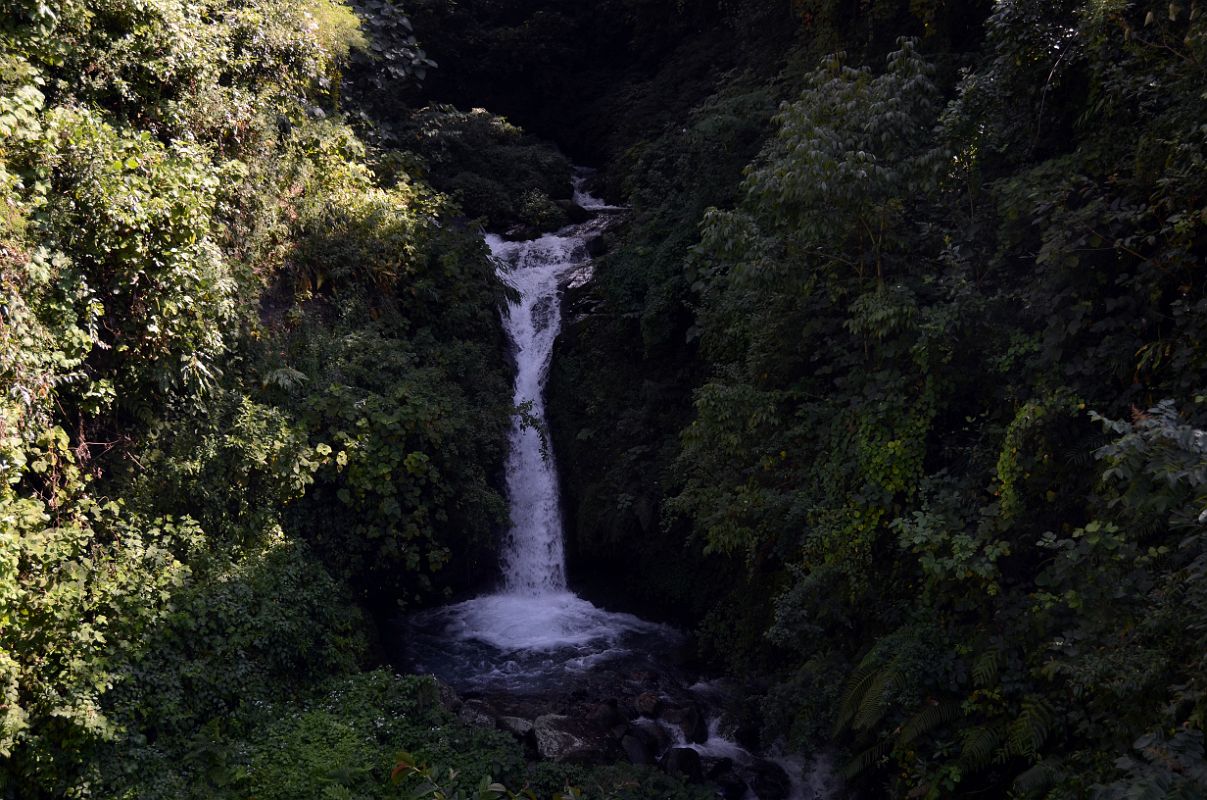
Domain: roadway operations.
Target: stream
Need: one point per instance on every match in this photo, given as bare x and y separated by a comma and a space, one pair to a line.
576, 682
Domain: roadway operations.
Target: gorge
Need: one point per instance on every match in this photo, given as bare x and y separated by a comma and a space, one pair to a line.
576, 682
839, 434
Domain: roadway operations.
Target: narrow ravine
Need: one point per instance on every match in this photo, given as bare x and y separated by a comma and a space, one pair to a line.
534, 632
577, 682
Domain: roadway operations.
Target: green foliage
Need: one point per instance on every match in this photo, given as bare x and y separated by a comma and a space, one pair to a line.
344, 744
873, 367
74, 608
908, 310
491, 167
394, 51
144, 270
1169, 767
408, 428
621, 377
183, 210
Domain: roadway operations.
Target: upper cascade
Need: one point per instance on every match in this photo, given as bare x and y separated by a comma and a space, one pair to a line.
533, 555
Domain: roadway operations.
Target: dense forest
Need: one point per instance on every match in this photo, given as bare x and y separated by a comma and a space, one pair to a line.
889, 388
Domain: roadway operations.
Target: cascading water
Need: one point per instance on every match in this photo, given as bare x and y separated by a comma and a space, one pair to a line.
534, 632
535, 638
533, 554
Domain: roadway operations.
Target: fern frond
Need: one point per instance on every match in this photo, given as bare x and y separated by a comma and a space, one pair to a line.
856, 688
980, 744
1031, 729
867, 759
1039, 777
878, 696
286, 378
936, 713
985, 668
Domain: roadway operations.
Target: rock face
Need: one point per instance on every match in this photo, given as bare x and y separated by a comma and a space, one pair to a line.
565, 739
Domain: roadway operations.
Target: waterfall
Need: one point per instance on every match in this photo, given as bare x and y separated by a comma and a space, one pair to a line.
535, 630
533, 553
536, 638
533, 556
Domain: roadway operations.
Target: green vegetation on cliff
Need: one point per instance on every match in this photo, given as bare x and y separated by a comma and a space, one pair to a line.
921, 393
891, 385
253, 382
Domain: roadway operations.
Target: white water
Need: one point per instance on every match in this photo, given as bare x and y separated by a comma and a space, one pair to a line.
533, 554
534, 630
535, 635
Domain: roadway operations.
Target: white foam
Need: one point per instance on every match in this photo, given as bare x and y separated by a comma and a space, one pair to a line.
522, 622
584, 199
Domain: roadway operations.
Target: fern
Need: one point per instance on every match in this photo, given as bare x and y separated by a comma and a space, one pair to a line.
285, 378
852, 698
1030, 730
936, 713
877, 697
980, 744
67, 378
867, 759
985, 667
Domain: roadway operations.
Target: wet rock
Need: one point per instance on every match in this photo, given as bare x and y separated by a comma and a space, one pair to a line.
565, 739
598, 246
522, 232
741, 726
574, 212
637, 748
683, 762
690, 721
770, 781
477, 712
648, 704
516, 726
659, 737
605, 715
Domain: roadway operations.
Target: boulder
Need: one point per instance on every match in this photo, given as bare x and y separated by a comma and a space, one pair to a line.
690, 721
605, 715
729, 783
522, 232
598, 246
446, 696
573, 211
516, 726
683, 762
658, 736
742, 726
565, 739
648, 704
637, 748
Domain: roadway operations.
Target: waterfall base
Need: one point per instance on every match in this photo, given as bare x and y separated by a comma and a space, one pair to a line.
613, 685
530, 643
